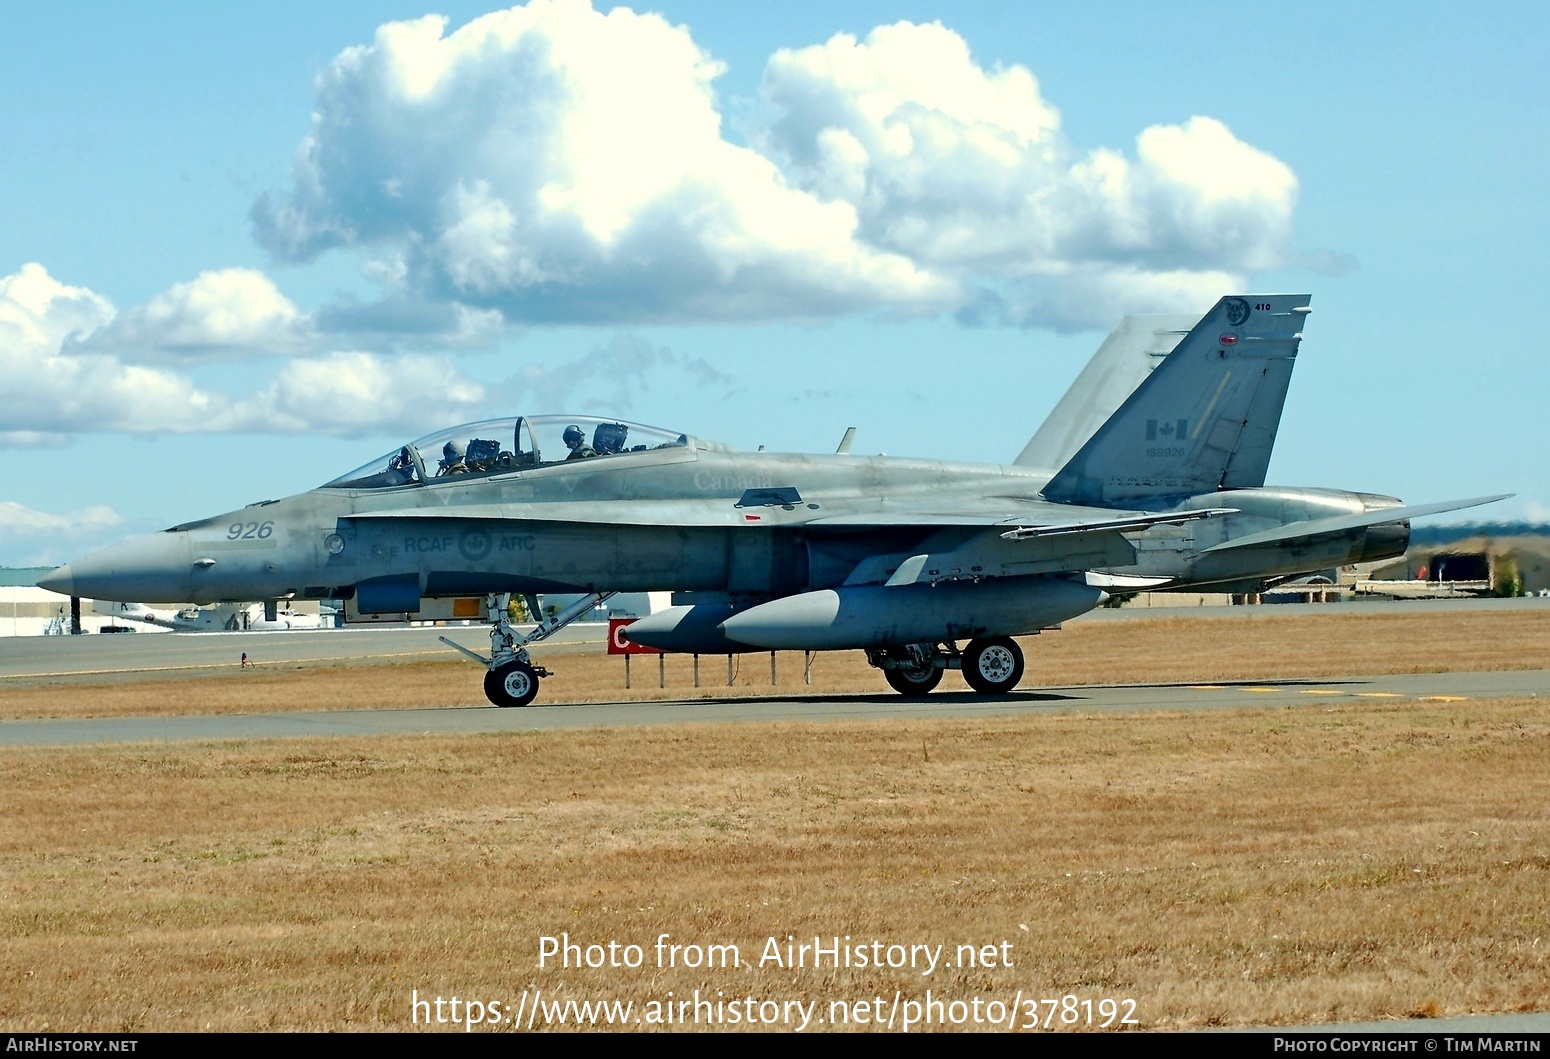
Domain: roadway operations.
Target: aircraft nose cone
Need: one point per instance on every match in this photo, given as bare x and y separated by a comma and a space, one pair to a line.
61, 580
155, 568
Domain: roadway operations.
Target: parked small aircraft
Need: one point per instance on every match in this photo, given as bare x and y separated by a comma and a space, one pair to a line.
226, 617
1144, 477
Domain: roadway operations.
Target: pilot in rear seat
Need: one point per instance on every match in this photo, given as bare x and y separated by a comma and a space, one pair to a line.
452, 459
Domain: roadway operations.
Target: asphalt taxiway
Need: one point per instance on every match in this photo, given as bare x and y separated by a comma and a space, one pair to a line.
54, 657
462, 720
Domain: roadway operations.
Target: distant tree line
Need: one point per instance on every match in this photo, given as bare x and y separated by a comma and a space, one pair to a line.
1446, 534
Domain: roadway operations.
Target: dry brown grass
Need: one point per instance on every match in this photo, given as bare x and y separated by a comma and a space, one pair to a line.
1273, 866
1265, 645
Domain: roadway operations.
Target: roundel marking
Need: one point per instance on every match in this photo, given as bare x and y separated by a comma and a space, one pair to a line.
474, 545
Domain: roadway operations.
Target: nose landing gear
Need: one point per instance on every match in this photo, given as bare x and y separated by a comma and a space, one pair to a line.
511, 678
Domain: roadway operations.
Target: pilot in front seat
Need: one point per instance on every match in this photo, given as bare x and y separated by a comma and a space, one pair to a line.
576, 440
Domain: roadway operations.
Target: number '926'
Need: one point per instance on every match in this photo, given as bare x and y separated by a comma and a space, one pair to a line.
249, 531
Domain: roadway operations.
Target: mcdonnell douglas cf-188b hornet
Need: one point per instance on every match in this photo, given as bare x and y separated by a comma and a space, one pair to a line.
1140, 479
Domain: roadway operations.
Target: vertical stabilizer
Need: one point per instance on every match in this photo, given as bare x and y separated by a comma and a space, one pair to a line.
1204, 419
1124, 360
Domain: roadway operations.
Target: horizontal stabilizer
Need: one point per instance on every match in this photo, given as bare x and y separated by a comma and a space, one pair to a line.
1340, 523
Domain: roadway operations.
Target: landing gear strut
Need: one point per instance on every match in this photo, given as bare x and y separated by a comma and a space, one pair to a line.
511, 678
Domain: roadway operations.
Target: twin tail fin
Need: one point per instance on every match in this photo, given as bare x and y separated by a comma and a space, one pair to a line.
1205, 419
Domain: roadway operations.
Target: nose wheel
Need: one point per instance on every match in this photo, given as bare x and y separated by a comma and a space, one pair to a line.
512, 683
993, 665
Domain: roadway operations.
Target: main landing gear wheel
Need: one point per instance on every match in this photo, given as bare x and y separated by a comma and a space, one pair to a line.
914, 680
994, 665
511, 684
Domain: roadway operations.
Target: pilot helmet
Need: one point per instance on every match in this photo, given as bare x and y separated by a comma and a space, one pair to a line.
574, 436
452, 452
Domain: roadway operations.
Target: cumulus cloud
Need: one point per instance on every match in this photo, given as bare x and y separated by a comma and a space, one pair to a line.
240, 314
558, 163
402, 319
609, 378
966, 172
552, 162
52, 389
44, 390
1071, 297
29, 537
555, 163
17, 519
38, 313
353, 394
227, 312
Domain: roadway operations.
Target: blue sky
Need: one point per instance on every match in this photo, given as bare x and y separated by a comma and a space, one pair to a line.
922, 231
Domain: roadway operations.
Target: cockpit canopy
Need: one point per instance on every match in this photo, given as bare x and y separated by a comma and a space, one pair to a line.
497, 446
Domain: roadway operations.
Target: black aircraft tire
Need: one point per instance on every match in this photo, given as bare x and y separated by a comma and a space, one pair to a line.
511, 684
993, 665
911, 682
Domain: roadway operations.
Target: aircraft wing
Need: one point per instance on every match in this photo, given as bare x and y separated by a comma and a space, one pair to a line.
1340, 523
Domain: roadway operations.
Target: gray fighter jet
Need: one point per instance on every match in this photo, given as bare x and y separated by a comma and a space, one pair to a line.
1150, 474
